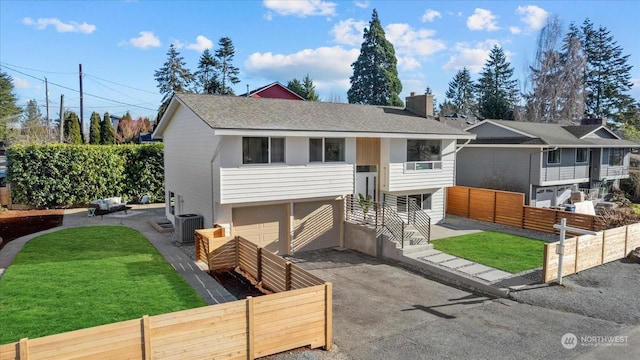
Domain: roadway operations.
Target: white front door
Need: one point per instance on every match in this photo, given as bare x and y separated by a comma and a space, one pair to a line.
366, 184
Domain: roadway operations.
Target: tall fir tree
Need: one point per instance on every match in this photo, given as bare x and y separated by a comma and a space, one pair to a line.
496, 90
227, 72
33, 127
9, 109
107, 132
172, 77
460, 92
94, 129
608, 74
306, 88
206, 77
72, 128
375, 75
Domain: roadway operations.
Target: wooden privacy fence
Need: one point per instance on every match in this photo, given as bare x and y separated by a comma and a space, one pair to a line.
587, 251
243, 329
507, 208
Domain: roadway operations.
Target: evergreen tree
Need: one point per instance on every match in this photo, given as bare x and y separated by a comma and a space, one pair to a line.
460, 92
497, 92
172, 77
608, 75
33, 127
306, 89
72, 128
107, 133
227, 73
375, 76
9, 109
206, 77
94, 129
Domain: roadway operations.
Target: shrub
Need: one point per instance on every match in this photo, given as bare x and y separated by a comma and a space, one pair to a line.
68, 175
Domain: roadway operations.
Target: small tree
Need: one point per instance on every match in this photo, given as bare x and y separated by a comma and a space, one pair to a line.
94, 129
107, 133
206, 78
460, 92
72, 128
228, 74
306, 89
33, 128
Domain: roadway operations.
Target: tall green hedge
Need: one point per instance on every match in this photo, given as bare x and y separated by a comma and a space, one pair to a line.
69, 175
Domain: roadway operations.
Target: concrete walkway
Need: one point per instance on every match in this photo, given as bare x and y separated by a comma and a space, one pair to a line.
137, 218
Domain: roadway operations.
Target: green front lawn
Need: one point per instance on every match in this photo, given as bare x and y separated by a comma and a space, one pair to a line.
88, 276
502, 251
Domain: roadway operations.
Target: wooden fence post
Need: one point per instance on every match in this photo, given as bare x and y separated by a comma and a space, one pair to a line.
250, 326
328, 316
24, 349
146, 333
287, 275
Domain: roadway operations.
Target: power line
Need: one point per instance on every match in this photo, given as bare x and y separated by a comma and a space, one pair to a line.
127, 86
74, 90
42, 71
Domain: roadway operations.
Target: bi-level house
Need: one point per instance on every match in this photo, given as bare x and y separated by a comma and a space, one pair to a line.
546, 162
277, 171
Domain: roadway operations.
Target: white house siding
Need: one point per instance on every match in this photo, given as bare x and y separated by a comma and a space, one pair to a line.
188, 155
401, 180
272, 183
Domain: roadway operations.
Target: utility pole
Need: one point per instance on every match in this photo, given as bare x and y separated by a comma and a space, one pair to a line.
62, 118
81, 107
46, 89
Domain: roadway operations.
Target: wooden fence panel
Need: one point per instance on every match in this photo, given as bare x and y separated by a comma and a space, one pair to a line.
589, 251
539, 219
222, 253
274, 274
633, 238
458, 201
482, 204
301, 279
509, 209
614, 244
248, 258
550, 267
289, 320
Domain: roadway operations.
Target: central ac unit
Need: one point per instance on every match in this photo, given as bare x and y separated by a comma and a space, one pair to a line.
186, 226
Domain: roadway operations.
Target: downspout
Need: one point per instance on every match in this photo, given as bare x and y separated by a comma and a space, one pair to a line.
213, 200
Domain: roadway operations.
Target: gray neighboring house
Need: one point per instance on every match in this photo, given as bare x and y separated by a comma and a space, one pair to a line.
546, 162
277, 171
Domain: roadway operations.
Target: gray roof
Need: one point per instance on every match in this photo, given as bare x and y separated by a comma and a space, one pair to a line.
552, 135
232, 112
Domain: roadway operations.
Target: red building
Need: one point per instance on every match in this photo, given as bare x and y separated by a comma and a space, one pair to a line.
274, 90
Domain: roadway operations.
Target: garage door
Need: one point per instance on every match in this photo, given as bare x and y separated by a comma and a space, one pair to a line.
316, 224
265, 226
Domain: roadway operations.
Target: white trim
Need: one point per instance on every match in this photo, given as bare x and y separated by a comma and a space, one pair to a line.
598, 129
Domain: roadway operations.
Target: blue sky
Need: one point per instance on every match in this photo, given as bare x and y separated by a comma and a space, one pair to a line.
121, 43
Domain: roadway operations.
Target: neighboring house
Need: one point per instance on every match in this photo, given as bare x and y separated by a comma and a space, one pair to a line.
274, 90
146, 138
277, 171
544, 161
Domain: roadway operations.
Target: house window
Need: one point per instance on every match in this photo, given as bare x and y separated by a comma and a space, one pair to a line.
423, 150
172, 203
327, 150
616, 157
422, 200
553, 157
262, 150
582, 156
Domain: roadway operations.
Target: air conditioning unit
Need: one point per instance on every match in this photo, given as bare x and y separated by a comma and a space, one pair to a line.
186, 226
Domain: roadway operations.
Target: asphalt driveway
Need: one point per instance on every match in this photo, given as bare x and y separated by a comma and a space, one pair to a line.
384, 311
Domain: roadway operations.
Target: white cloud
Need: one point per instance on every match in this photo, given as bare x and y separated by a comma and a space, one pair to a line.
201, 44
411, 44
327, 66
533, 16
635, 83
146, 40
21, 83
348, 32
362, 4
430, 15
515, 30
71, 26
471, 57
301, 8
482, 19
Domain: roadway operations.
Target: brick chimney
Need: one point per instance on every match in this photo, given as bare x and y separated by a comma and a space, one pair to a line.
421, 105
593, 121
